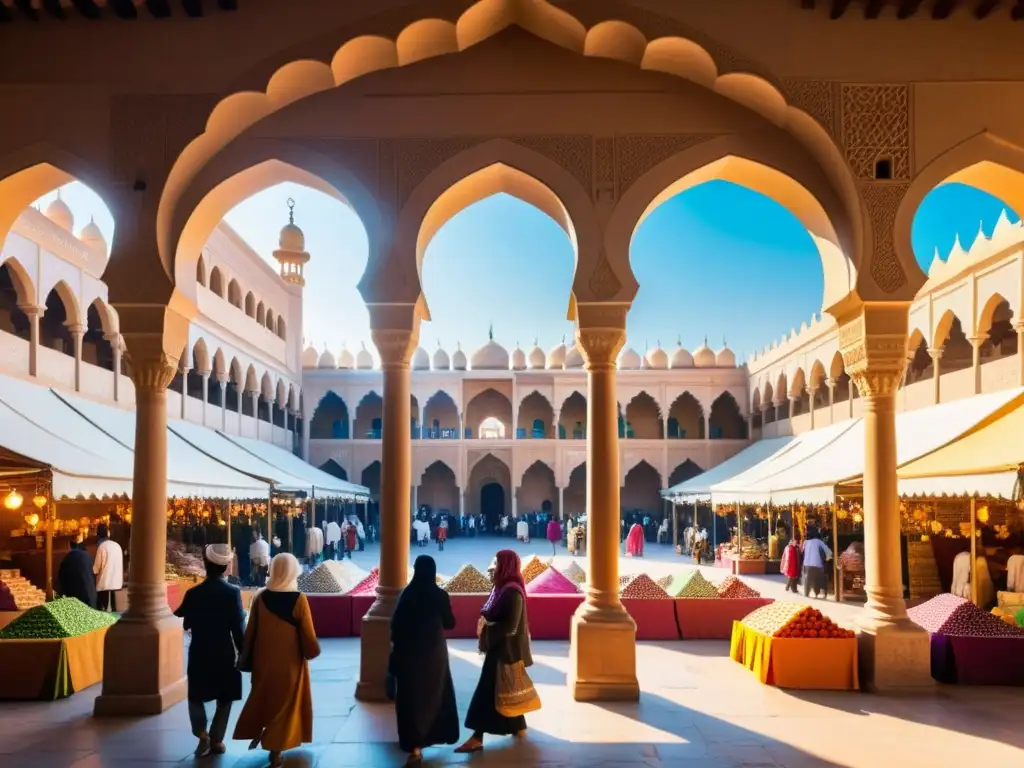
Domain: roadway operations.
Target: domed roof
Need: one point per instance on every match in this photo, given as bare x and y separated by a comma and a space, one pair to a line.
420, 360
629, 360
90, 235
490, 357
459, 359
682, 358
537, 357
441, 359
703, 357
345, 359
657, 358
574, 358
291, 238
364, 360
725, 357
556, 356
310, 358
518, 358
59, 213
326, 360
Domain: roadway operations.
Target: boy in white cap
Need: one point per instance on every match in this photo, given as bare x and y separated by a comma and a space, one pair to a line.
213, 613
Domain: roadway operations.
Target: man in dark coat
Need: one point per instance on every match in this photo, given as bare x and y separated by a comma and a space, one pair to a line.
213, 613
75, 577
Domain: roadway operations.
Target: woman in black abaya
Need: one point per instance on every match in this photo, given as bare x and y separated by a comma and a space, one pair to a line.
425, 696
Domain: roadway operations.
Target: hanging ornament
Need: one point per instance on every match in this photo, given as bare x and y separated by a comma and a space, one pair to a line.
13, 500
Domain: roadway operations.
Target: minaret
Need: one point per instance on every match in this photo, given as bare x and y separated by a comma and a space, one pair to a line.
291, 253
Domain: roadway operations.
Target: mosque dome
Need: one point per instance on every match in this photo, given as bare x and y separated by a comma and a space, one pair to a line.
725, 357
291, 238
345, 359
657, 358
703, 357
681, 358
518, 359
490, 357
629, 360
326, 360
59, 213
459, 359
441, 359
574, 358
420, 360
537, 357
556, 357
364, 360
310, 359
90, 235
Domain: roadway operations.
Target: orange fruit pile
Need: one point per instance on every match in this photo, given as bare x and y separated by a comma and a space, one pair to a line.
810, 623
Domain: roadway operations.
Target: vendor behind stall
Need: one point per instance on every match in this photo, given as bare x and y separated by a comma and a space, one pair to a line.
75, 577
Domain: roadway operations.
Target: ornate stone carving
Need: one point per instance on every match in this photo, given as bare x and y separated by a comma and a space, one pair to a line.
876, 125
603, 283
874, 349
603, 315
395, 346
818, 98
600, 346
882, 200
604, 170
638, 153
151, 373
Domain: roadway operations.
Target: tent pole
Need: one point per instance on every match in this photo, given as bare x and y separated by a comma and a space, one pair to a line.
270, 517
714, 531
835, 554
227, 520
739, 537
974, 553
51, 514
675, 526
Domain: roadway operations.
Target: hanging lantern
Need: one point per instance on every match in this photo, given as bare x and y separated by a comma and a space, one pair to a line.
32, 520
842, 514
858, 517
13, 500
983, 515
40, 501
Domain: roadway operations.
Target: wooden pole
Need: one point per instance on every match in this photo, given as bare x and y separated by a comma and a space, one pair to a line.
51, 514
270, 518
835, 553
739, 534
974, 553
675, 526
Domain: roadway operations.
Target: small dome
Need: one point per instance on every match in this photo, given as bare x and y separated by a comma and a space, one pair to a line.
345, 359
420, 360
725, 358
310, 358
459, 359
629, 360
574, 358
91, 236
490, 357
556, 357
291, 238
657, 358
703, 357
364, 360
59, 213
326, 360
518, 359
681, 358
537, 358
441, 360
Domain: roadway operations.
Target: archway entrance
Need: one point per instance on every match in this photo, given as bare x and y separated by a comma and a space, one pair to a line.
492, 504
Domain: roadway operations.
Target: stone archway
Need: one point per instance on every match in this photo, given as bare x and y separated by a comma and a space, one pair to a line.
369, 417
572, 418
440, 417
641, 493
576, 492
686, 418
330, 419
643, 418
490, 490
489, 404
535, 418
537, 490
439, 488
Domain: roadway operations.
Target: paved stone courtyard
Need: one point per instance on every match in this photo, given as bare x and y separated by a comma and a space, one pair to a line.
697, 709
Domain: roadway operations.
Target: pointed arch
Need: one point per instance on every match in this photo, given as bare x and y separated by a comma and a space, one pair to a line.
69, 301
270, 320
641, 489
369, 417
219, 369
438, 488
201, 271
643, 418
988, 312
21, 282
217, 282
330, 420
261, 314
234, 293
489, 404
200, 356
686, 418
440, 417
572, 417
536, 416
537, 491
281, 329
726, 421
332, 467
250, 305
688, 470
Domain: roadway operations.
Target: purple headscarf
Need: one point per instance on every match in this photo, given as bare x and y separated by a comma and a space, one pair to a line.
507, 575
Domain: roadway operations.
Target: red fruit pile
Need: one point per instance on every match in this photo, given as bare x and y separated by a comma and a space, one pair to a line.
951, 615
809, 623
642, 587
368, 586
734, 589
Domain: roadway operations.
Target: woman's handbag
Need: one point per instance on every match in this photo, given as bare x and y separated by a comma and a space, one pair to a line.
245, 658
514, 694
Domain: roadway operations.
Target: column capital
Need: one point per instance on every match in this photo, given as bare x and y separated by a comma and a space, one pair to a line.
977, 341
154, 337
204, 374
831, 383
601, 332
32, 310
395, 345
936, 352
811, 391
75, 329
873, 342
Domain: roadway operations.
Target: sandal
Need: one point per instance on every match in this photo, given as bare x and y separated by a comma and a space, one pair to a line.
203, 748
469, 747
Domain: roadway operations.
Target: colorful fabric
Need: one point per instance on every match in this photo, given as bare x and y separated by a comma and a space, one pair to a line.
551, 582
507, 575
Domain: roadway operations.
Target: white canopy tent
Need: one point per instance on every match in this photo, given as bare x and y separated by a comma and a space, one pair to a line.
699, 488
839, 463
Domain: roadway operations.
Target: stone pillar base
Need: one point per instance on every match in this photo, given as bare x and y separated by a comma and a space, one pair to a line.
602, 656
895, 658
374, 650
143, 670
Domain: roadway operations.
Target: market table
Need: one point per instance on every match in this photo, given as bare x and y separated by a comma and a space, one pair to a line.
711, 618
978, 660
738, 566
787, 662
332, 615
550, 616
465, 607
655, 619
50, 669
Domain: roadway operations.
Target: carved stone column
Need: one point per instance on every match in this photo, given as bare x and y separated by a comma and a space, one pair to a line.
831, 384
395, 347
183, 370
115, 346
895, 653
144, 673
811, 393
33, 313
976, 344
222, 380
936, 355
602, 657
205, 375
77, 335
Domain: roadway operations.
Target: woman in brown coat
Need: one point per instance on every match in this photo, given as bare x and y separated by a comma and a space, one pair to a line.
280, 640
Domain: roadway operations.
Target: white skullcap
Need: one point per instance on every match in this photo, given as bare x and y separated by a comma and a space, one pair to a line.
219, 554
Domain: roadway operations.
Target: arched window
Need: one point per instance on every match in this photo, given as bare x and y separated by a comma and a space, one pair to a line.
281, 330
250, 305
538, 429
235, 294
201, 272
217, 282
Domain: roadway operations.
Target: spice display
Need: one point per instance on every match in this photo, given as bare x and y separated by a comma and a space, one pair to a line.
948, 614
64, 617
575, 574
692, 584
532, 568
17, 593
368, 586
665, 581
642, 587
809, 623
551, 582
734, 589
1019, 617
467, 581
769, 619
319, 581
181, 564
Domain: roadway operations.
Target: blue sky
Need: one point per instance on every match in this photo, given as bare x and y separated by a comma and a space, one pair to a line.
717, 261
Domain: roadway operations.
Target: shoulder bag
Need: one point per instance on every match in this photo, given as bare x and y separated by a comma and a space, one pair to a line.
514, 693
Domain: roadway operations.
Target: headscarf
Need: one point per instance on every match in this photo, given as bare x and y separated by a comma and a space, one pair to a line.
419, 602
507, 575
284, 573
